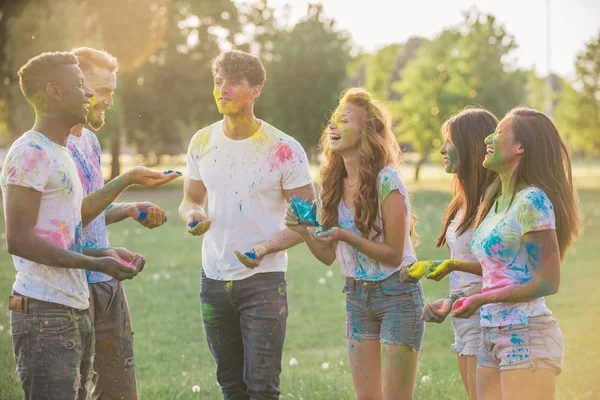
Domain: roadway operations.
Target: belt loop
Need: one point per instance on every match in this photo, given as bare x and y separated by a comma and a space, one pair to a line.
25, 303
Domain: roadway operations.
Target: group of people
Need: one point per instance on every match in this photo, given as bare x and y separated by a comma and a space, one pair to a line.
513, 214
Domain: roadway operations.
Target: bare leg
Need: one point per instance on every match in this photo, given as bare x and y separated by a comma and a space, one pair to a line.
399, 372
365, 365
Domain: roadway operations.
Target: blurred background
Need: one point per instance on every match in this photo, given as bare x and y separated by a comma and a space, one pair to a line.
426, 60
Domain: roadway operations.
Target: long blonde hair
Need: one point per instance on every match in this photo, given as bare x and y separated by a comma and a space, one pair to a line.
378, 148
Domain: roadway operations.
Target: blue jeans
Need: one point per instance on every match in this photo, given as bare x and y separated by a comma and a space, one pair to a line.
245, 324
54, 351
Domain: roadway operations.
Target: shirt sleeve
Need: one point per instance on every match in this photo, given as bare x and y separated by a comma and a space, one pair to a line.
389, 180
536, 212
27, 165
195, 149
296, 171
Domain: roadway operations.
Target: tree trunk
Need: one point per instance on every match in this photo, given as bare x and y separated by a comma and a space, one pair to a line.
422, 160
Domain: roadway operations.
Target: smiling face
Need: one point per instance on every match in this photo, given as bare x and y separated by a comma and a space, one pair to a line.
75, 96
233, 96
103, 84
503, 149
345, 129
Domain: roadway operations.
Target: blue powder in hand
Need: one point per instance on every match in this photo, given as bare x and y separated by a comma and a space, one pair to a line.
251, 255
305, 210
142, 215
194, 224
320, 232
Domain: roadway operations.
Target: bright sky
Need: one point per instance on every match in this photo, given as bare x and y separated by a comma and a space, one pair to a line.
375, 23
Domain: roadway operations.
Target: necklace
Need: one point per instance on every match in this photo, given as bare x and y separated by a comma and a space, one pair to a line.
353, 184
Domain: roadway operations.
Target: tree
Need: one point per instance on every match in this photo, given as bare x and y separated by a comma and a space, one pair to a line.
464, 65
577, 114
305, 77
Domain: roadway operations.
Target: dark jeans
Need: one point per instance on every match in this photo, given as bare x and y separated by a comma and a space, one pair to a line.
114, 365
245, 328
54, 350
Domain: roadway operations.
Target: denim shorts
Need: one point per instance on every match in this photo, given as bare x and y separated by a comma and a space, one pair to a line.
388, 311
539, 344
467, 335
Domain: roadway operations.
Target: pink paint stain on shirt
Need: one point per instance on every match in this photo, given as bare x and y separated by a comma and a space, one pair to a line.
282, 154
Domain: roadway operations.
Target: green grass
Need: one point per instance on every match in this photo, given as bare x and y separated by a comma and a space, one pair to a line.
171, 351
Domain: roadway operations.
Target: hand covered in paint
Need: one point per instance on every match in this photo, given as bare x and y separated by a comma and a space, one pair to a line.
148, 214
437, 311
439, 269
252, 258
118, 269
150, 179
293, 222
128, 258
197, 223
467, 306
331, 235
413, 273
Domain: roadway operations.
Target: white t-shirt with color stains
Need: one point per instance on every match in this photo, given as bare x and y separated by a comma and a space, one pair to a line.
245, 180
356, 264
505, 258
36, 162
460, 249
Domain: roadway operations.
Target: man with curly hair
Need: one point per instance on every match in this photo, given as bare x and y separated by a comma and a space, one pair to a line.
243, 170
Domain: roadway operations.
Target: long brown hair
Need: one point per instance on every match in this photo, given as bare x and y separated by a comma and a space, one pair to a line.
545, 164
378, 148
467, 131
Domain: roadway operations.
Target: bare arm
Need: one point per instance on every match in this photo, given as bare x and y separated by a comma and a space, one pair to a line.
146, 213
22, 208
99, 201
391, 250
192, 206
544, 261
283, 240
117, 212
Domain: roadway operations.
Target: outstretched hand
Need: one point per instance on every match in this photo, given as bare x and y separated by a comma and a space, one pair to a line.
150, 179
253, 257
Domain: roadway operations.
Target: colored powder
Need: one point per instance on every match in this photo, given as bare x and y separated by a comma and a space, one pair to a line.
251, 254
194, 224
319, 232
142, 215
305, 210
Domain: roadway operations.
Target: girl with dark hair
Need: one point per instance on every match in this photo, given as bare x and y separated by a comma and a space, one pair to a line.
463, 151
527, 220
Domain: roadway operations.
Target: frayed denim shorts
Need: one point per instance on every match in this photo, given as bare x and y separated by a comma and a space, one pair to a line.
388, 311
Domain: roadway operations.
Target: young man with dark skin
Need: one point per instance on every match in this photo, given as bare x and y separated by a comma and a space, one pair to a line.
50, 322
114, 365
245, 169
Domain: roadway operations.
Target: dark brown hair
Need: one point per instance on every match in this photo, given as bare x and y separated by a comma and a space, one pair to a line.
236, 64
545, 164
467, 131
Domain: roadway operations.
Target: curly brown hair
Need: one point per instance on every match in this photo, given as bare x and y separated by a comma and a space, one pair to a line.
237, 64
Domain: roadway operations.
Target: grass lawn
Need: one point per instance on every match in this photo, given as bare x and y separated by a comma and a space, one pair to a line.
171, 351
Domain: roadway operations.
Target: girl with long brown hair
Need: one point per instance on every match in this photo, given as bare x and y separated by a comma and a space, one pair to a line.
528, 219
463, 151
366, 220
